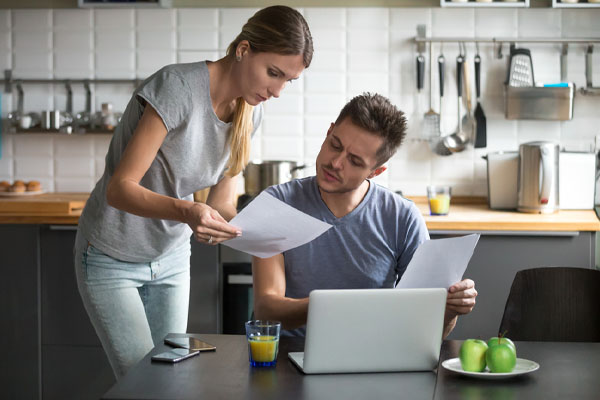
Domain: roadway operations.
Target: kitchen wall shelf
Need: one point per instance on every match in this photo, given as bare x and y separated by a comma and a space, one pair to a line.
122, 4
495, 3
580, 4
9, 80
41, 132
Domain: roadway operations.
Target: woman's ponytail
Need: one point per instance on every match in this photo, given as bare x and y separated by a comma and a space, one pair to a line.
239, 137
275, 29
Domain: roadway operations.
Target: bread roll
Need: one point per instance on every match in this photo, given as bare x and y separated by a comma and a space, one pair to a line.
4, 185
18, 187
34, 186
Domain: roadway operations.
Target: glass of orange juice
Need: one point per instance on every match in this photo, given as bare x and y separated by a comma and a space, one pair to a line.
263, 342
439, 199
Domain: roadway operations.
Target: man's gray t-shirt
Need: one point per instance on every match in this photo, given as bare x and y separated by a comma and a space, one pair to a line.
368, 248
193, 156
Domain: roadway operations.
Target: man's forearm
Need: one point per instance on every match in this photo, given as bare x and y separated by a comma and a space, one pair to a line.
449, 324
291, 312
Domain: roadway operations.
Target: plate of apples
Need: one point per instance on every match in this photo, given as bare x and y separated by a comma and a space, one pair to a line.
494, 359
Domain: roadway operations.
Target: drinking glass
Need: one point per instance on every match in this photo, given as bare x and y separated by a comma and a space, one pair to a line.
439, 199
263, 342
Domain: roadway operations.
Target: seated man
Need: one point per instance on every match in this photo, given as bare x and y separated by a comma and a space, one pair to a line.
375, 232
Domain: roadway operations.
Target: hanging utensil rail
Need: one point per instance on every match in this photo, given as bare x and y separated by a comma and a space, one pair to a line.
498, 42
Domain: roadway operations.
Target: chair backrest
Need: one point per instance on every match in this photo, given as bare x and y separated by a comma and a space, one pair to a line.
559, 304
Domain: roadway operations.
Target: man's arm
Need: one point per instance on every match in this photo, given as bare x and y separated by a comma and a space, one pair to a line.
460, 301
268, 275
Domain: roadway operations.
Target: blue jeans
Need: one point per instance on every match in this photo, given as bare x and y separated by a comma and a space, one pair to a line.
133, 306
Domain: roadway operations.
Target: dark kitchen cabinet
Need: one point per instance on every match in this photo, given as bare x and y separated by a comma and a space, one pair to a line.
20, 327
205, 289
74, 365
51, 350
499, 256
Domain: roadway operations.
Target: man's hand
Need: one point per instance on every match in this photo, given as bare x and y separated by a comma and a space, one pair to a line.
461, 298
460, 301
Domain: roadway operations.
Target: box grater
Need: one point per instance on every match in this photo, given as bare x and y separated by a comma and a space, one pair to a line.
520, 72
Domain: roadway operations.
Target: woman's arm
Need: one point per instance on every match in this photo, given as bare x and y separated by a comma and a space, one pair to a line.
125, 192
222, 197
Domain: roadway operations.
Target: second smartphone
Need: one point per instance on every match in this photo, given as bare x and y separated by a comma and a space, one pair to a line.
191, 343
175, 355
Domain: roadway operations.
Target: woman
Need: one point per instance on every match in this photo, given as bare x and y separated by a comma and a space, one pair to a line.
186, 128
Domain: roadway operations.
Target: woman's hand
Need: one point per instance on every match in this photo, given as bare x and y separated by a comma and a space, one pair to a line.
208, 225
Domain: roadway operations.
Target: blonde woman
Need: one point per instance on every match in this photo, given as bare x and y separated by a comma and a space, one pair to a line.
186, 128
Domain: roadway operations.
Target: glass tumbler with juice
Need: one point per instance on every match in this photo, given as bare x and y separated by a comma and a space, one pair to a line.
439, 199
263, 342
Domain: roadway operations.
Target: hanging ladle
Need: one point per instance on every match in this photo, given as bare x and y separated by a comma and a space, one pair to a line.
457, 141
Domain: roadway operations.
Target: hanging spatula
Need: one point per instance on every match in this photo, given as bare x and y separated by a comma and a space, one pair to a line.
431, 119
480, 121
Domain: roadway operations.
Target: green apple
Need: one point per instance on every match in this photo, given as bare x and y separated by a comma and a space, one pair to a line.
472, 355
501, 357
501, 340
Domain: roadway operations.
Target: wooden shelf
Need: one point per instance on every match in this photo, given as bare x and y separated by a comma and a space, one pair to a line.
580, 4
495, 3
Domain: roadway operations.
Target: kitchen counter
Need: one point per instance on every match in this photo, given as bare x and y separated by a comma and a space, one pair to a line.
466, 214
473, 214
46, 208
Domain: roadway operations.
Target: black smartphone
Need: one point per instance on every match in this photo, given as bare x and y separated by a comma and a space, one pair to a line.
191, 343
175, 355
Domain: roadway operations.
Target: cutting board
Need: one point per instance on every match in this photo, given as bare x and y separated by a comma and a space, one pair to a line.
45, 204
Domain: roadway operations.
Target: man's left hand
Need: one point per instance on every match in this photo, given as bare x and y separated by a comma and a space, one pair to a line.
461, 298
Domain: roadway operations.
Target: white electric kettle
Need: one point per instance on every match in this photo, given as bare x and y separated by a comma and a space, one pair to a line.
538, 177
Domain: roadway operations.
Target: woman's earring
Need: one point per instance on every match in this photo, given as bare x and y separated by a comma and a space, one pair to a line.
238, 58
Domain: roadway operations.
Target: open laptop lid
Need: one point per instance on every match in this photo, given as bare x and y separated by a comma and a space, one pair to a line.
373, 330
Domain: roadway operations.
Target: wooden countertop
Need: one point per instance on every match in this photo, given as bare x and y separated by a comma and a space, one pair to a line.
473, 214
46, 208
466, 214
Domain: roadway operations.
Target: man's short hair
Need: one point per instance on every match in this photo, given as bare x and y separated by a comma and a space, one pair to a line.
376, 114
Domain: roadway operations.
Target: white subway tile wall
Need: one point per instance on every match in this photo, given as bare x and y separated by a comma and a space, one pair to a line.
356, 50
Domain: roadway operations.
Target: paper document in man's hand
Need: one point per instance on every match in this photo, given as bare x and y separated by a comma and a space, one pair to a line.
269, 227
439, 263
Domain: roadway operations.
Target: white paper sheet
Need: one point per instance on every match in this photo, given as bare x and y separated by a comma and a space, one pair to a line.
269, 227
439, 263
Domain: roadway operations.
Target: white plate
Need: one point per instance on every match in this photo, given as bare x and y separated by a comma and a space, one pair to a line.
19, 194
523, 366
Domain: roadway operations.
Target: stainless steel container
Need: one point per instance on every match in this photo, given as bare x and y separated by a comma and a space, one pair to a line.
538, 177
502, 174
542, 103
259, 175
51, 120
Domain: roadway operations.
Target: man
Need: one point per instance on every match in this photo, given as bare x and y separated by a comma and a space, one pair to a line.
375, 232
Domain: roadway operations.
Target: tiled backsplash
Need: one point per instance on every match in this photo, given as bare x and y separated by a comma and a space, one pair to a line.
356, 50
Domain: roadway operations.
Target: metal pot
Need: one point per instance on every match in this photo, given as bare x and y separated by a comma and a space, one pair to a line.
259, 175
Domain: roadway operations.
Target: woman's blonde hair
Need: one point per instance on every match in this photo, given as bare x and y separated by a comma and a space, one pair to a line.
276, 29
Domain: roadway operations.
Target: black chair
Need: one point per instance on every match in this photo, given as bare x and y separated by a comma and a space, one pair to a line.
557, 304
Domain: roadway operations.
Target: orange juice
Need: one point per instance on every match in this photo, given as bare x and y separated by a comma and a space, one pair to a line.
440, 204
263, 348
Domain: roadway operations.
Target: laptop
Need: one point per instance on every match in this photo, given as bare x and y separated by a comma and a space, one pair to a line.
372, 330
